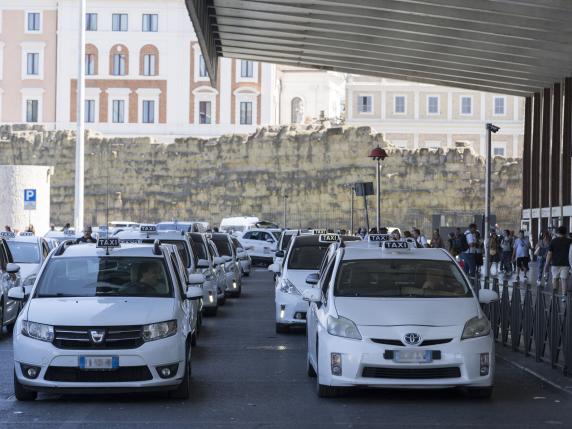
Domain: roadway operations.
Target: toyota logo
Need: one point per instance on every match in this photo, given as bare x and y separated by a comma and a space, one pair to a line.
97, 336
412, 339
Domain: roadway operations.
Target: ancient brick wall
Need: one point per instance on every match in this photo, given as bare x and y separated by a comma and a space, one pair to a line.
248, 175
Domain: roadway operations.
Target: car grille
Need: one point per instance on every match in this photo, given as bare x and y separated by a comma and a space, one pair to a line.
76, 375
399, 343
116, 337
411, 373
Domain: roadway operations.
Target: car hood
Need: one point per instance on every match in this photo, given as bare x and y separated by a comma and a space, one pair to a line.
27, 270
100, 311
407, 311
298, 278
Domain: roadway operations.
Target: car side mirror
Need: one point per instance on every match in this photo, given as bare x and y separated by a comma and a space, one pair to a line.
12, 268
312, 295
486, 296
203, 263
193, 293
313, 278
196, 279
275, 268
280, 254
17, 293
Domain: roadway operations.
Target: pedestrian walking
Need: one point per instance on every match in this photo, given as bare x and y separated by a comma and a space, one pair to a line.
521, 254
558, 259
420, 239
541, 252
87, 238
436, 240
495, 253
467, 255
506, 256
479, 250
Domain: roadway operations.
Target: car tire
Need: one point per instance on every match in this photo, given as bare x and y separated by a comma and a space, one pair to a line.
479, 392
210, 312
222, 301
10, 327
21, 393
310, 369
183, 390
194, 339
245, 274
281, 328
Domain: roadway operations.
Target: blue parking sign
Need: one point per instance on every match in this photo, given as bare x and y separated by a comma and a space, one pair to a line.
30, 199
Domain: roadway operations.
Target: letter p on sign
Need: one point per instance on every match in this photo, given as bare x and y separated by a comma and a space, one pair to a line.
29, 199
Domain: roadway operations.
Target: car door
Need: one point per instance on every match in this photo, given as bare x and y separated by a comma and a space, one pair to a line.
219, 269
317, 313
11, 307
181, 285
267, 244
250, 240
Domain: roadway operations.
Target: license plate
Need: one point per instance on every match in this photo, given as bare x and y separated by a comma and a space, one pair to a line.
412, 356
99, 362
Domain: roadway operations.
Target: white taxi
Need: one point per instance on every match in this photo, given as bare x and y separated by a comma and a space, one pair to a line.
227, 252
261, 244
9, 278
103, 318
29, 252
303, 258
396, 316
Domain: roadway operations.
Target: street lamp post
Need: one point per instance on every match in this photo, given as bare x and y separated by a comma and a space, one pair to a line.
378, 155
80, 131
285, 199
488, 174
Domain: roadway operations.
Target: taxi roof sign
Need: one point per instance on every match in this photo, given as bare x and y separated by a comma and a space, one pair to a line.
148, 228
396, 245
108, 242
7, 234
328, 238
26, 234
69, 232
319, 231
378, 237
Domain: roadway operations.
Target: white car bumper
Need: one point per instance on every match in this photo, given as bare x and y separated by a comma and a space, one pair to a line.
59, 368
290, 309
365, 363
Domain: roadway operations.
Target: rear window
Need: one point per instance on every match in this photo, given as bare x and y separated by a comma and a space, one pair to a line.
182, 249
286, 238
199, 249
400, 278
307, 257
223, 246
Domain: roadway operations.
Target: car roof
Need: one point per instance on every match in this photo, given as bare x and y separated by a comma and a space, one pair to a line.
377, 252
138, 235
23, 239
89, 249
264, 230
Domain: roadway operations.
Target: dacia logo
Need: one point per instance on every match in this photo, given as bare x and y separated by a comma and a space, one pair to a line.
97, 335
412, 339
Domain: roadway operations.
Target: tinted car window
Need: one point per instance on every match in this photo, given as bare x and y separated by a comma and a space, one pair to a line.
25, 253
400, 278
286, 238
223, 246
182, 249
307, 257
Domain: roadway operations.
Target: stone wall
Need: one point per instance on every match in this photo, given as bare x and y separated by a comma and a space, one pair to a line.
248, 175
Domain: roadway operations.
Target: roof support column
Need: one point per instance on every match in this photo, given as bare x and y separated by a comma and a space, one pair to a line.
554, 167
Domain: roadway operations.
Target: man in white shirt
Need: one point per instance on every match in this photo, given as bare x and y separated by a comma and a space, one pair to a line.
469, 249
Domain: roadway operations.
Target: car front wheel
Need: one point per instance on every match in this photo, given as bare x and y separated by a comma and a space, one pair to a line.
183, 390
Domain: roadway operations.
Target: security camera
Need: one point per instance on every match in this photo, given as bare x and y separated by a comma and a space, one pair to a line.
493, 128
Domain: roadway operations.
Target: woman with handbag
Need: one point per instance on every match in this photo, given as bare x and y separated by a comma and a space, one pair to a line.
540, 251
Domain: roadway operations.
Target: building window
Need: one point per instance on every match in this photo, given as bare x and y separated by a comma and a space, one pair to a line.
149, 61
499, 108
33, 64
204, 112
433, 105
148, 111
202, 67
399, 104
33, 21
89, 64
365, 104
150, 22
118, 111
91, 21
297, 110
119, 22
466, 105
89, 110
246, 68
118, 65
246, 113
498, 151
31, 110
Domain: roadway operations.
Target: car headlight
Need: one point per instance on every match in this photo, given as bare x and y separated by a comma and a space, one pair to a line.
29, 281
342, 327
38, 331
156, 331
476, 327
287, 287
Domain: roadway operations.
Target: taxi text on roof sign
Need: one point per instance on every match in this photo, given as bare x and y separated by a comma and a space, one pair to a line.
319, 231
378, 237
26, 234
328, 238
7, 234
396, 245
108, 242
148, 228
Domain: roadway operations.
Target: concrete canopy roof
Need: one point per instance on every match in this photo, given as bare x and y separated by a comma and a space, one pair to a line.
506, 46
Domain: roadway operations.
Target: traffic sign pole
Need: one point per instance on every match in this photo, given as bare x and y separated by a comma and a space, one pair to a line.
80, 133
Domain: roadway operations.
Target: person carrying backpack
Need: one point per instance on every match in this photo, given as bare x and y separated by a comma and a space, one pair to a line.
506, 256
521, 254
468, 250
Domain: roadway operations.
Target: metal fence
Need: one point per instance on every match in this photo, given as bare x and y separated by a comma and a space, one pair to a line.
532, 321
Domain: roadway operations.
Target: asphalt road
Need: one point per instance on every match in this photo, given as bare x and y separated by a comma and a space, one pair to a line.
246, 376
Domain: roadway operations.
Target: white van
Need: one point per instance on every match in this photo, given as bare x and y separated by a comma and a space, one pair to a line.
239, 225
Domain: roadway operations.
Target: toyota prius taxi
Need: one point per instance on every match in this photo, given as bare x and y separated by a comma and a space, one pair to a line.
396, 316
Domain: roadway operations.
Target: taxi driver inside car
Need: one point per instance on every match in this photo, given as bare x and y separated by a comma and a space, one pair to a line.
386, 314
106, 317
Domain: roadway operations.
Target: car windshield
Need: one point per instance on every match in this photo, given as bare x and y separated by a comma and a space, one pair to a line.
104, 276
173, 227
400, 278
223, 246
199, 249
24, 253
182, 249
286, 238
276, 234
307, 257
